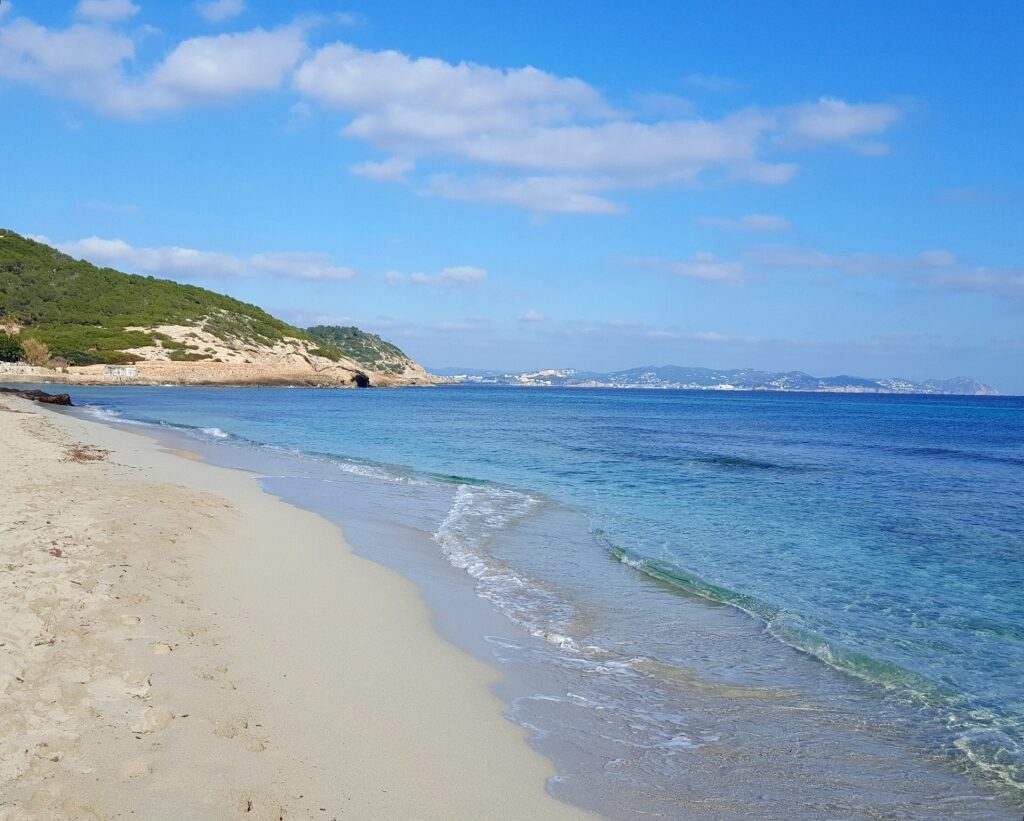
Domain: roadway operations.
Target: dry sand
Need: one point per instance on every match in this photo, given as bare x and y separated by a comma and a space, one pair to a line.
174, 643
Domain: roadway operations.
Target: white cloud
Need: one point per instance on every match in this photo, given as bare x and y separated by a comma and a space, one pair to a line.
167, 260
559, 194
938, 258
564, 143
855, 264
211, 69
218, 10
703, 266
76, 60
710, 336
392, 169
459, 276
532, 316
750, 222
664, 105
400, 98
936, 268
829, 120
109, 11
349, 18
706, 266
1005, 282
299, 266
87, 62
519, 136
190, 263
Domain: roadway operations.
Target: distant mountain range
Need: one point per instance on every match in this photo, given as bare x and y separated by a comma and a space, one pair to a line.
744, 379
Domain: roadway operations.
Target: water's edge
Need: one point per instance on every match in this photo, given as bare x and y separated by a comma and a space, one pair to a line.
480, 507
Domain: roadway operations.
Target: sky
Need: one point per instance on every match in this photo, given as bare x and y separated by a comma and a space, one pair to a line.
832, 187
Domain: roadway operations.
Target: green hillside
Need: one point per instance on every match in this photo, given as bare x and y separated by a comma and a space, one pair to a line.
369, 349
81, 311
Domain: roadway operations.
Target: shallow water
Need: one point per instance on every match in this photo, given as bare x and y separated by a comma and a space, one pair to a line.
882, 537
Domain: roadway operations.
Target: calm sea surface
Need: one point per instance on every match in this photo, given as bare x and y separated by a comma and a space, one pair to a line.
822, 594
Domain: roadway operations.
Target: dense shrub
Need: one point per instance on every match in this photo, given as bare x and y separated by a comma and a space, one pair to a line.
10, 349
368, 349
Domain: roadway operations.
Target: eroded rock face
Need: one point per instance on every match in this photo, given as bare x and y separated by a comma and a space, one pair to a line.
39, 396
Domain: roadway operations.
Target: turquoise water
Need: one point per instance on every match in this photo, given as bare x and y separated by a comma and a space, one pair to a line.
881, 536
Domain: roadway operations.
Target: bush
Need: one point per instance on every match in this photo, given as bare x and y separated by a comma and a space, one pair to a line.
10, 349
36, 352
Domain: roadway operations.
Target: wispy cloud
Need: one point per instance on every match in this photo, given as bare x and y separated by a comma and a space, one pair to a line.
191, 263
458, 276
217, 11
109, 11
532, 316
703, 266
1005, 282
750, 222
857, 263
299, 266
392, 169
565, 194
829, 120
936, 268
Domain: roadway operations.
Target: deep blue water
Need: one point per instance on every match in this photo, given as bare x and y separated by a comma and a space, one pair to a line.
882, 535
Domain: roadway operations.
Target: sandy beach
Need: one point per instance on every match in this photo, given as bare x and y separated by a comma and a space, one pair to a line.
179, 644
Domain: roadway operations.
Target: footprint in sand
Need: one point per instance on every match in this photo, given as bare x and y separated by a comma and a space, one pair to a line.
232, 728
153, 720
160, 648
134, 769
110, 688
255, 745
238, 728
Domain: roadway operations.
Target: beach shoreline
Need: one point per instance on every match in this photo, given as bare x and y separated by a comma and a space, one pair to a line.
182, 644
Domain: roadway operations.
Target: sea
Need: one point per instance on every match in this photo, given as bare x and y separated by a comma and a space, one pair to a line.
704, 604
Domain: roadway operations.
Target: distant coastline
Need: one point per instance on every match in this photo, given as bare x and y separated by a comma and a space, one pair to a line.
675, 377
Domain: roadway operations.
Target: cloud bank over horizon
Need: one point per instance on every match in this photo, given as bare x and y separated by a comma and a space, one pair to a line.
522, 136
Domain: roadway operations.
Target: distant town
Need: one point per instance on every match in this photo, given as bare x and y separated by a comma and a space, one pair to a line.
674, 377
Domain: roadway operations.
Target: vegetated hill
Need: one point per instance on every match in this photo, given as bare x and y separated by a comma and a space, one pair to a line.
370, 349
94, 316
82, 312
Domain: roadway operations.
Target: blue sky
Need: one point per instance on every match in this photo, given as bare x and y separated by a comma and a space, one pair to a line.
835, 188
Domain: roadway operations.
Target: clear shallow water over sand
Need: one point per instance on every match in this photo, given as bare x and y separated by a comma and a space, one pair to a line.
881, 536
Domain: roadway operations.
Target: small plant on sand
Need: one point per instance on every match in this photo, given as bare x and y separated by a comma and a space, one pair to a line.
36, 352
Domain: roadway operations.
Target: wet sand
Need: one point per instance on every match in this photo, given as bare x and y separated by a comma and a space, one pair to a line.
179, 644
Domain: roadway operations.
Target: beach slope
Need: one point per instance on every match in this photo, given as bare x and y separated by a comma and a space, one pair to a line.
178, 644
